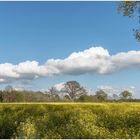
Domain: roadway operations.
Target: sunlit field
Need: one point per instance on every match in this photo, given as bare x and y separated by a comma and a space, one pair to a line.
69, 120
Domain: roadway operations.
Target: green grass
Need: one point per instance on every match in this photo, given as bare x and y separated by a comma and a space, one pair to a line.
70, 120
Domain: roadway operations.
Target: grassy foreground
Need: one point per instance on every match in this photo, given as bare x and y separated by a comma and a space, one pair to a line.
70, 120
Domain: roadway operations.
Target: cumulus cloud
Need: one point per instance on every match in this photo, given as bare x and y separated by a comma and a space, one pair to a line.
60, 86
93, 60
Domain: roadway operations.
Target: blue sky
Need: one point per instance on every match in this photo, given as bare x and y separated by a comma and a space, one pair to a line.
39, 31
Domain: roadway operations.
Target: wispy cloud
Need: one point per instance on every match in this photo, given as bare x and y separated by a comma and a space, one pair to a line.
93, 60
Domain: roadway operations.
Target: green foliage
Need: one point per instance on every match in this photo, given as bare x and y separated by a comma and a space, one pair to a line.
131, 9
26, 130
128, 8
73, 121
101, 95
126, 95
74, 90
23, 96
87, 98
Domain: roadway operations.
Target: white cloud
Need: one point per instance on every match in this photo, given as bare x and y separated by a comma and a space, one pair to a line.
30, 69
92, 60
18, 88
110, 90
95, 59
7, 71
130, 59
132, 87
60, 86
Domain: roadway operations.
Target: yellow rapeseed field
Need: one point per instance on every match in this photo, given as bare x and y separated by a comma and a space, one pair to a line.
70, 120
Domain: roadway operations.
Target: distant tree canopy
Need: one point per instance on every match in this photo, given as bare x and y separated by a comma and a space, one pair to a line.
115, 96
101, 95
129, 8
126, 95
74, 89
53, 94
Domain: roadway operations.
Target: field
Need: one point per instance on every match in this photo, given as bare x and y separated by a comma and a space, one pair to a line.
70, 120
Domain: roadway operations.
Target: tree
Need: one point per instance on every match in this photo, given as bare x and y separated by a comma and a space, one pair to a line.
129, 9
74, 90
126, 95
115, 96
101, 95
8, 88
66, 98
53, 94
9, 96
1, 96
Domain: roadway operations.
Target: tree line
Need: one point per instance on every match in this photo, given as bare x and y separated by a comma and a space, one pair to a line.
73, 92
